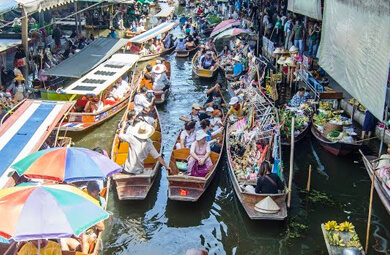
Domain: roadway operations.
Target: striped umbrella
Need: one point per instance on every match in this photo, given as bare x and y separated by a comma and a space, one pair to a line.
66, 165
31, 212
225, 25
232, 32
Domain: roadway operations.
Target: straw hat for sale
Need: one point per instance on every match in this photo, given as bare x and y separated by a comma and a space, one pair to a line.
293, 49
159, 68
267, 205
281, 61
289, 61
142, 130
278, 51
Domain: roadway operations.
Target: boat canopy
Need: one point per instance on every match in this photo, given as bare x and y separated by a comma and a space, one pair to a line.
165, 12
26, 130
162, 28
88, 58
100, 78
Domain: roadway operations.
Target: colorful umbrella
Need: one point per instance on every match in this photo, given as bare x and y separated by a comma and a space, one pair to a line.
225, 25
66, 165
47, 211
232, 32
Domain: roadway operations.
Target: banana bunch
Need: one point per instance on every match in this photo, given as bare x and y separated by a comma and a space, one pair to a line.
268, 88
354, 244
331, 225
325, 105
334, 239
347, 227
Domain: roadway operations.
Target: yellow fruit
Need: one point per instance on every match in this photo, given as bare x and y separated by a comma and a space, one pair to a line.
346, 226
331, 225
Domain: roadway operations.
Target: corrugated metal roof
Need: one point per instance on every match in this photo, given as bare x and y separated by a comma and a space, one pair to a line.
162, 28
79, 64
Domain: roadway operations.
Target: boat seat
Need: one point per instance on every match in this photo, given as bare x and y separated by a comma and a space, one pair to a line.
214, 157
157, 145
173, 166
121, 158
156, 136
181, 154
123, 147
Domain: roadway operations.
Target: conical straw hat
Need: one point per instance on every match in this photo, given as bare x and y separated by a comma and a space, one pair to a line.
267, 205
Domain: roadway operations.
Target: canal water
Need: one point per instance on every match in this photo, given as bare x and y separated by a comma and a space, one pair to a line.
217, 222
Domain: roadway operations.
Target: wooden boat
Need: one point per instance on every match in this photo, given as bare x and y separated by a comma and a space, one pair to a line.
136, 187
26, 129
161, 96
336, 148
267, 115
137, 42
97, 82
381, 189
190, 188
185, 53
204, 73
286, 141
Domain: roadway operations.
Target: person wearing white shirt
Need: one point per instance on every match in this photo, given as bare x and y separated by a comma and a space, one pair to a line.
141, 102
160, 78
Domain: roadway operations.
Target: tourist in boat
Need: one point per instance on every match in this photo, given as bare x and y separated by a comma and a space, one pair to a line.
160, 78
216, 121
20, 89
299, 98
268, 182
236, 110
180, 43
45, 247
206, 127
194, 115
190, 44
83, 243
206, 61
93, 105
199, 162
383, 170
168, 41
139, 147
141, 101
182, 20
211, 45
187, 136
214, 97
112, 33
237, 69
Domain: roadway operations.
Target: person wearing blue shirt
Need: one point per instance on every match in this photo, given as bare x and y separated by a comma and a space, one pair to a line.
299, 98
112, 34
237, 69
238, 5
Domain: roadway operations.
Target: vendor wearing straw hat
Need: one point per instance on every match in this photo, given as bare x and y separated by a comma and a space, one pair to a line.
160, 78
236, 110
139, 147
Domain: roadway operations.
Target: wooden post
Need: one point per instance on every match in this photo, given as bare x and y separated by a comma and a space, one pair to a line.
291, 161
25, 41
370, 209
76, 18
308, 180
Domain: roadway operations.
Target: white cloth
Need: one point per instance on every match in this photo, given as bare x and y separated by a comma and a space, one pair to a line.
216, 122
189, 139
138, 152
140, 102
160, 80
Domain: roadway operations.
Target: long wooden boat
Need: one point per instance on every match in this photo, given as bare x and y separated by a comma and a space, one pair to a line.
26, 129
380, 187
204, 73
265, 119
190, 188
161, 96
136, 187
141, 39
185, 53
286, 141
336, 148
97, 82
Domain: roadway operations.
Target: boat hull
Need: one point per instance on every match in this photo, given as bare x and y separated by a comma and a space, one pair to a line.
336, 148
156, 55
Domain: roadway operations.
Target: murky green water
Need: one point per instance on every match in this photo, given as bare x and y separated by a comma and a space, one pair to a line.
217, 222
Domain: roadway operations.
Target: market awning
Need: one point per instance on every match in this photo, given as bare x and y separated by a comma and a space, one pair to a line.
309, 8
103, 76
165, 12
79, 64
31, 5
6, 44
162, 28
26, 130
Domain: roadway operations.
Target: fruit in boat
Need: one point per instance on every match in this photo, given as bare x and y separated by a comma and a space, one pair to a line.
331, 225
347, 227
